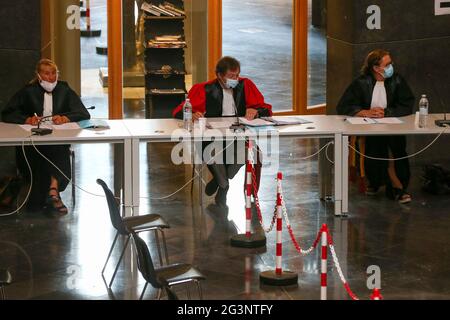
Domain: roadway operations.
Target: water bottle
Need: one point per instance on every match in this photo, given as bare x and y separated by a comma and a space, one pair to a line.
187, 115
423, 111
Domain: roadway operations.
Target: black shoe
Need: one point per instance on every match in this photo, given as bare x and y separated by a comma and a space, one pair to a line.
221, 197
211, 187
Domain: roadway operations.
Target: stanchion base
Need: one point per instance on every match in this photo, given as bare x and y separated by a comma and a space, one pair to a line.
254, 241
91, 33
270, 278
102, 50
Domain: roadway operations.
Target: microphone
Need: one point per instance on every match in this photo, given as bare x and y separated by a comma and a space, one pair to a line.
46, 131
237, 125
445, 122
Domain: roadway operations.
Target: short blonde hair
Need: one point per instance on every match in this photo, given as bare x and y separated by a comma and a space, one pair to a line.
43, 62
46, 62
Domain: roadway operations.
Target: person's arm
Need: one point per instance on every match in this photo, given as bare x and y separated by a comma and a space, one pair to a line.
15, 112
255, 100
197, 96
77, 111
404, 100
352, 101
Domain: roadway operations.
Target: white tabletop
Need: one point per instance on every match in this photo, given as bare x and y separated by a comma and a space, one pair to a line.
13, 134
409, 126
163, 129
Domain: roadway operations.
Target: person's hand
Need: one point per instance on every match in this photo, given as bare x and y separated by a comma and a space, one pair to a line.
251, 114
372, 113
34, 121
378, 112
58, 120
197, 116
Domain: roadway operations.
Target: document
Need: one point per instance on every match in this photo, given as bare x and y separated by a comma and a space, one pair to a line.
256, 122
93, 124
66, 126
225, 124
358, 120
281, 121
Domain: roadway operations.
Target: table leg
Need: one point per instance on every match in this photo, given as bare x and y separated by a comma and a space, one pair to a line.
345, 155
136, 176
128, 177
338, 174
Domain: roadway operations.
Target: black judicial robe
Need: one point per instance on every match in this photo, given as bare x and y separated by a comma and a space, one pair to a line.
400, 103
24, 104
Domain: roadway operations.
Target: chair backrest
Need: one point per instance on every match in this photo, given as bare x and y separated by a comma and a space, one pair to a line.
114, 209
145, 262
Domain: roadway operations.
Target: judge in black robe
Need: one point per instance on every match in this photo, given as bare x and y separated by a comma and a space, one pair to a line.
23, 108
358, 101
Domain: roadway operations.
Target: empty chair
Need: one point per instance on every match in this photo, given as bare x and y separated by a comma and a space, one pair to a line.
136, 224
167, 276
5, 280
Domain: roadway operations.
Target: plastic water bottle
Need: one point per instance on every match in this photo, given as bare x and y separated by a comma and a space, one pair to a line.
423, 111
187, 115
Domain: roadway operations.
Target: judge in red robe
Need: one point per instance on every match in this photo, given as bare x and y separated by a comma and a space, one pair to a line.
226, 96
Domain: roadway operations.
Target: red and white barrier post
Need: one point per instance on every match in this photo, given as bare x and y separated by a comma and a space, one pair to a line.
88, 32
249, 239
323, 264
376, 295
279, 268
279, 277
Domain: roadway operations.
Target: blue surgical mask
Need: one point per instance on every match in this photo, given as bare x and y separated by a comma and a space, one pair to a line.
388, 72
232, 83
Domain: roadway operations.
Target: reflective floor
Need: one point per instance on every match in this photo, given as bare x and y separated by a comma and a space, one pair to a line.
62, 258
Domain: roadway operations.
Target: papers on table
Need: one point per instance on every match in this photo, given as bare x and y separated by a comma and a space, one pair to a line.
273, 121
66, 126
281, 121
358, 120
93, 124
225, 124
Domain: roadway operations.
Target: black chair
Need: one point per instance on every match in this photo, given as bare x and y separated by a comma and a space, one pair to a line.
137, 224
167, 276
5, 280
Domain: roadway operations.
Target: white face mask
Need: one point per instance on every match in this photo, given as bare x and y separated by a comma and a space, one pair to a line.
48, 86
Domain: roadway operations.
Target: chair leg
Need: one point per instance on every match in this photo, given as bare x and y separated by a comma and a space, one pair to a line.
120, 259
200, 292
143, 291
110, 252
166, 253
158, 246
2, 293
159, 295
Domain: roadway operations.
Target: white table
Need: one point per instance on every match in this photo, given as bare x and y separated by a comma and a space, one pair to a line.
14, 135
408, 127
154, 130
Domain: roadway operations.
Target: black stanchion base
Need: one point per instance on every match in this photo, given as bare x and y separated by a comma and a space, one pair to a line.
102, 50
91, 33
270, 278
242, 241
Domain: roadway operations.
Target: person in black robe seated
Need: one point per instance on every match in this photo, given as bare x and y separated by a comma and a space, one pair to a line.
381, 92
46, 96
225, 96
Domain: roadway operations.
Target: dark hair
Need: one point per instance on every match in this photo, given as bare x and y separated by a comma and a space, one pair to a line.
227, 63
373, 59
